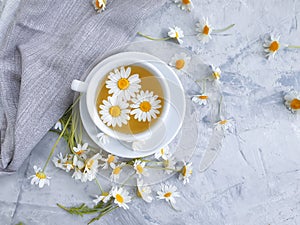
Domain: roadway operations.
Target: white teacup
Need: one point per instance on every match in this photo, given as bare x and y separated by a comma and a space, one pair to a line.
92, 89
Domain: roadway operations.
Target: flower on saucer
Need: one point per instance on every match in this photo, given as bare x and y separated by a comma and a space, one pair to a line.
163, 153
216, 73
186, 172
81, 150
58, 126
121, 197
59, 161
123, 85
169, 165
223, 124
90, 168
204, 30
114, 111
271, 46
109, 161
104, 197
99, 5
200, 99
180, 61
103, 138
185, 5
143, 191
176, 33
139, 167
117, 169
168, 193
145, 106
39, 178
292, 101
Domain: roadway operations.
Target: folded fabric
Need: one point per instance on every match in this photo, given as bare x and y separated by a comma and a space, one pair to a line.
51, 43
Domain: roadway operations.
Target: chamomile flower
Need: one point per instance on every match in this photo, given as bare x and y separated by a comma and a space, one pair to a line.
77, 175
223, 124
109, 161
168, 193
185, 5
99, 5
122, 84
104, 197
163, 153
176, 33
90, 168
204, 30
121, 197
145, 106
292, 101
180, 61
58, 126
139, 167
114, 111
143, 191
71, 162
169, 165
39, 178
200, 99
59, 160
215, 74
81, 150
186, 172
117, 169
103, 138
271, 46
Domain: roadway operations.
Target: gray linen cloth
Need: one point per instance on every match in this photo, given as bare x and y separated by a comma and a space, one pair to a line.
50, 43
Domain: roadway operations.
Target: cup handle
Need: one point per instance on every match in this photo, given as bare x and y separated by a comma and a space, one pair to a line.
79, 86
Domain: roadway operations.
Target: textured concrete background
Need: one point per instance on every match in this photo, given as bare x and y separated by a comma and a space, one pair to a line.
255, 179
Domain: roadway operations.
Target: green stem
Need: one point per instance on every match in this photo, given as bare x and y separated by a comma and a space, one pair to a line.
152, 38
56, 143
293, 46
220, 106
99, 185
224, 29
160, 168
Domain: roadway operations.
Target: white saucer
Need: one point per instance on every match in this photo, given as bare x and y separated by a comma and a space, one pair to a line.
159, 139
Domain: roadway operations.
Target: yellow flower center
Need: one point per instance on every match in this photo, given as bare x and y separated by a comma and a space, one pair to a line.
176, 35
222, 122
123, 83
138, 193
167, 195
110, 159
206, 30
41, 175
183, 171
139, 168
98, 6
203, 97
90, 163
295, 104
119, 198
216, 75
117, 170
186, 2
115, 111
145, 106
179, 64
80, 152
162, 151
274, 46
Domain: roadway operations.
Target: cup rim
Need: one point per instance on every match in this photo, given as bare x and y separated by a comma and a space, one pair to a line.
92, 93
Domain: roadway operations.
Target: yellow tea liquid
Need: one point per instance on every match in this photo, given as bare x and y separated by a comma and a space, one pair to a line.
148, 82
